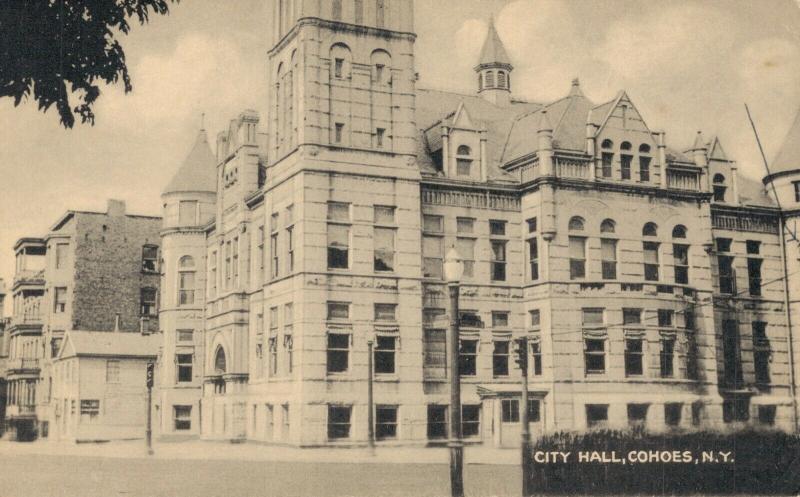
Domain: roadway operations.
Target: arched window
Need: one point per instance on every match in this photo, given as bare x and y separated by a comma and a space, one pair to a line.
644, 148
501, 79
679, 231
650, 229
576, 223
607, 144
625, 160
719, 188
625, 146
680, 255
644, 162
463, 161
381, 63
220, 365
186, 271
340, 61
489, 79
280, 105
608, 226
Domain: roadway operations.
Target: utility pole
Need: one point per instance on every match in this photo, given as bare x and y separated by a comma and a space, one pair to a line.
525, 434
149, 429
370, 401
453, 271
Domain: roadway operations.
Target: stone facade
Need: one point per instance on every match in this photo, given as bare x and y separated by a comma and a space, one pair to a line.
650, 284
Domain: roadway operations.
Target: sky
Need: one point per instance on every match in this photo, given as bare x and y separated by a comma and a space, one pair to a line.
687, 65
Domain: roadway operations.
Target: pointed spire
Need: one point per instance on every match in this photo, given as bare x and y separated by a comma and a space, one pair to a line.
198, 173
788, 157
493, 52
575, 91
699, 142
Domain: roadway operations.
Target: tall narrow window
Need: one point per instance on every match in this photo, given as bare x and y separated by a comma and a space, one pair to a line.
228, 272
289, 221
437, 422
463, 161
727, 277
235, 262
644, 162
625, 165
60, 300
796, 185
608, 252
379, 134
467, 357
719, 188
338, 68
432, 256
466, 249
594, 355
339, 133
500, 358
338, 352
186, 272
607, 159
288, 337
434, 354
533, 249
731, 351
385, 349
149, 259
338, 235
754, 267
260, 261
183, 365
536, 358
761, 352
212, 273
577, 257
148, 302
339, 422
680, 256
498, 260
385, 422
650, 261
667, 357
634, 355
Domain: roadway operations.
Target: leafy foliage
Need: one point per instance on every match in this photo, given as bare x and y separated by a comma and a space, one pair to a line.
764, 463
57, 50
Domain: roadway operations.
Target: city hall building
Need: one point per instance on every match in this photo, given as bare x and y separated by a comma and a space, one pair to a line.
654, 285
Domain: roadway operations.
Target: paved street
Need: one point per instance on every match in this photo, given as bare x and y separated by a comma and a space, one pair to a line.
33, 475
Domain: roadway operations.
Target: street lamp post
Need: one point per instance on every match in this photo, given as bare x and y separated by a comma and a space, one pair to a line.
453, 270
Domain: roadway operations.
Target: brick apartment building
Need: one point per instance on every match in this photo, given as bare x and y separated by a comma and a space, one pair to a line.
93, 272
651, 282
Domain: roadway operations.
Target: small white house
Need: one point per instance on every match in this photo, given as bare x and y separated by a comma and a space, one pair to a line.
98, 390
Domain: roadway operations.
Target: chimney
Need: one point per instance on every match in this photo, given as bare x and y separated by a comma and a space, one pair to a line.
115, 208
116, 322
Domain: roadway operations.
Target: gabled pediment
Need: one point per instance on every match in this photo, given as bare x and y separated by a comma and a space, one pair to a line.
623, 115
462, 119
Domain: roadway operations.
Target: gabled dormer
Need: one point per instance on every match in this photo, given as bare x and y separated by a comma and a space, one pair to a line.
721, 170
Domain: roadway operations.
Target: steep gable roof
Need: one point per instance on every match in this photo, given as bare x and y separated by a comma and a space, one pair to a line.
198, 173
788, 157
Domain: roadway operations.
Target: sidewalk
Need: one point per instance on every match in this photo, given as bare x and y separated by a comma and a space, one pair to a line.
210, 450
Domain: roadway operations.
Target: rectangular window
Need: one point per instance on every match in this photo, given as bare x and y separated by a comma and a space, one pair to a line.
498, 261
212, 274
667, 357
182, 417
183, 363
385, 422
380, 132
90, 408
437, 422
463, 166
499, 319
593, 317
509, 411
577, 257
680, 257
62, 251
339, 133
796, 185
466, 249
148, 302
289, 239
666, 318
384, 249
536, 358
500, 358
644, 168
533, 258
435, 354
719, 193
608, 253
607, 161
535, 318
432, 224
186, 288
631, 316
236, 262
736, 409
637, 414
227, 264
596, 415
150, 259
338, 422
625, 165
634, 357
497, 228
338, 235
338, 310
379, 70
534, 410
187, 212
650, 261
59, 300
432, 256
385, 349
754, 276
112, 371
465, 225
766, 414
468, 357
383, 214
470, 421
595, 355
726, 277
731, 352
338, 352
385, 312
761, 365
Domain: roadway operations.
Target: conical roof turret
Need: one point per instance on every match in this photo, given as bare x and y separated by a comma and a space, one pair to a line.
198, 173
788, 157
493, 52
